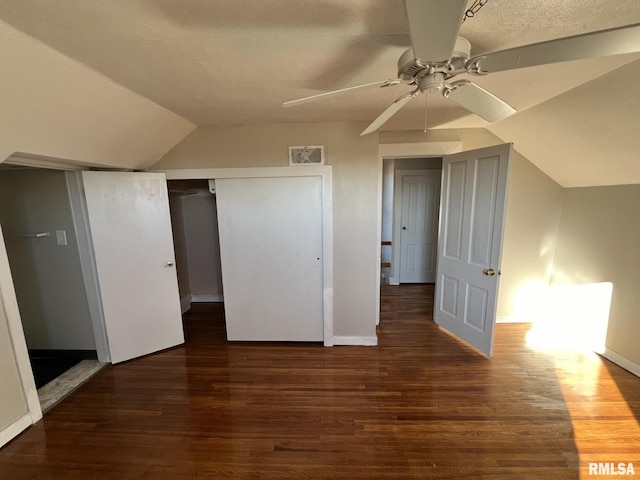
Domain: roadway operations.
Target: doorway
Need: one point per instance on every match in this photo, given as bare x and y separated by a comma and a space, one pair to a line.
473, 194
251, 205
194, 220
43, 250
410, 205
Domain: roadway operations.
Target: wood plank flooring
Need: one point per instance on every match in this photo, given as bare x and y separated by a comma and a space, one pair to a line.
420, 405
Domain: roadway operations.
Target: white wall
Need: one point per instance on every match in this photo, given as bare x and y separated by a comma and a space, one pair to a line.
355, 183
47, 277
598, 242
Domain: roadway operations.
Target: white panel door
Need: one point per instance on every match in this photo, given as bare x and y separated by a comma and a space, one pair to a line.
271, 252
131, 233
474, 190
419, 226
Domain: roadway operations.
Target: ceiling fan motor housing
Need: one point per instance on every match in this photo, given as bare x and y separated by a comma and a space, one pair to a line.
410, 67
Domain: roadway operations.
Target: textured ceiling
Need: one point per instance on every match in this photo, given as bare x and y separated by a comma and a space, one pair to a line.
236, 61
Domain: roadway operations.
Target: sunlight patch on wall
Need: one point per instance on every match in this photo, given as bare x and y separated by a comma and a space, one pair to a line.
572, 317
528, 307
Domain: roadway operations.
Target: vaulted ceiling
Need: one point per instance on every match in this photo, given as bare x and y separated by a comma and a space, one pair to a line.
236, 61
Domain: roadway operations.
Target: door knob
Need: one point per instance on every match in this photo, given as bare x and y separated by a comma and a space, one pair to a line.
169, 264
489, 271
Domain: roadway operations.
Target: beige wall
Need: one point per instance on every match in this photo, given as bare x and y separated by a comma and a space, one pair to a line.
598, 242
47, 277
243, 146
531, 224
355, 183
56, 107
202, 244
355, 219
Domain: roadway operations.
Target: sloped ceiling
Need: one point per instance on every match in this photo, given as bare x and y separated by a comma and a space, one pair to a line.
236, 61
588, 136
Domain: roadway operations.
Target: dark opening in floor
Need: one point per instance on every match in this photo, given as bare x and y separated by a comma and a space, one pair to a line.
48, 365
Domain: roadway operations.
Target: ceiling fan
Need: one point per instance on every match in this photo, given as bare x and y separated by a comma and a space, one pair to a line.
438, 54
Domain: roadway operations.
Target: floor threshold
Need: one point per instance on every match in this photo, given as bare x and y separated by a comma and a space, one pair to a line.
58, 389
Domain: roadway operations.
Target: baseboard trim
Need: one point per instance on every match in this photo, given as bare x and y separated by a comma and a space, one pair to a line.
622, 361
207, 298
15, 429
511, 319
363, 341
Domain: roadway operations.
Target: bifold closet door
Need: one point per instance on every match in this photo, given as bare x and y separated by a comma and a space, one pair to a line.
271, 252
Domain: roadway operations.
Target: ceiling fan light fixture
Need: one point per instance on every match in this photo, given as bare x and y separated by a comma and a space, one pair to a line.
431, 83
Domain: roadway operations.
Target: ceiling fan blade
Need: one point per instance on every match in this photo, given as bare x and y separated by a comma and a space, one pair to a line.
596, 44
321, 96
434, 25
390, 111
477, 100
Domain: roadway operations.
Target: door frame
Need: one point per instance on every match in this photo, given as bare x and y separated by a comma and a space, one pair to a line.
324, 172
9, 302
88, 263
402, 150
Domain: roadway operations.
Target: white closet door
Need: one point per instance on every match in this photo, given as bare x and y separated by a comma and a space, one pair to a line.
131, 233
271, 251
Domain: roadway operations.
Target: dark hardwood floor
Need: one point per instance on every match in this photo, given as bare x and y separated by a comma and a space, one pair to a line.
420, 405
